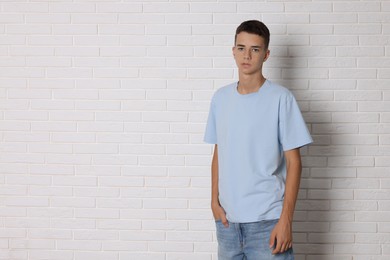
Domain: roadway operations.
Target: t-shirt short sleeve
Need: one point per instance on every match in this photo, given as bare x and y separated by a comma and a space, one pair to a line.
210, 135
293, 132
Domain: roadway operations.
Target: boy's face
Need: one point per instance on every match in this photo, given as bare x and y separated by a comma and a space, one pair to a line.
250, 53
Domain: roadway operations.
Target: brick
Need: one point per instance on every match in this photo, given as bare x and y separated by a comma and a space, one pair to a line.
13, 190
96, 62
168, 29
189, 62
69, 73
331, 150
357, 7
167, 73
170, 182
375, 128
360, 161
354, 205
358, 95
28, 29
97, 213
353, 227
73, 202
124, 246
214, 52
358, 249
200, 29
96, 192
333, 172
171, 247
311, 227
142, 149
73, 137
371, 194
71, 8
49, 191
315, 184
140, 192
330, 194
213, 7
139, 18
54, 126
372, 238
374, 40
310, 29
94, 18
78, 51
16, 222
108, 29
96, 255
352, 73
43, 18
26, 7
119, 117
119, 224
346, 117
329, 238
52, 40
79, 245
98, 170
189, 19
164, 225
335, 129
110, 159
146, 255
308, 7
260, 7
355, 184
330, 62
92, 40
28, 180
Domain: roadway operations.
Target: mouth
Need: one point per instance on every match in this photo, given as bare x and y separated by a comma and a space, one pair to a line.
245, 64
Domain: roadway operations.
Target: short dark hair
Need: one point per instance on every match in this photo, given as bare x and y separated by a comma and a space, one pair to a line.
254, 27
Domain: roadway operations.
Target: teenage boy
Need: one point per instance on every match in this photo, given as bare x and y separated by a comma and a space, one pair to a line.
257, 129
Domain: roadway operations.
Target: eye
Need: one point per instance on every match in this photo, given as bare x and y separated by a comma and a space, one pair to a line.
256, 50
240, 48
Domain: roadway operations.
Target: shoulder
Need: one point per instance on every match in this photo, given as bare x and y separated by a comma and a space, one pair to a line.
278, 89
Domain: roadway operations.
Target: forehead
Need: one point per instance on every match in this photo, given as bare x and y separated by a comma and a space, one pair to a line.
249, 39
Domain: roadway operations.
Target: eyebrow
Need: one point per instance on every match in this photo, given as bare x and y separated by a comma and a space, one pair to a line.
241, 45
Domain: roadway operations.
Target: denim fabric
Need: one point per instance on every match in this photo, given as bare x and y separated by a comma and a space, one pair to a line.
248, 241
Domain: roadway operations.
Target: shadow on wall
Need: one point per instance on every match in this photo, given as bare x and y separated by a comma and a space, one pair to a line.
315, 220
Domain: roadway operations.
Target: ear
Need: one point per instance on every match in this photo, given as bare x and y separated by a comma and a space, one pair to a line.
266, 55
233, 51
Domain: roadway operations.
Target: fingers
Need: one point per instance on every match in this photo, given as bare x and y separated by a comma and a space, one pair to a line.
224, 219
281, 246
272, 240
220, 214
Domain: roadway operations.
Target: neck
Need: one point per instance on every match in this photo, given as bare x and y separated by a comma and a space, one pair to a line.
250, 84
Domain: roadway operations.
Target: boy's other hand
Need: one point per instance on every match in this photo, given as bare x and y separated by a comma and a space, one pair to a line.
219, 214
281, 237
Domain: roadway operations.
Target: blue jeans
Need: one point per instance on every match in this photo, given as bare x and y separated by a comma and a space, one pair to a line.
248, 241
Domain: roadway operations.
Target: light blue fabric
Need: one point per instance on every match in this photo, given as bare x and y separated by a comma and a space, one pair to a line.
248, 241
252, 131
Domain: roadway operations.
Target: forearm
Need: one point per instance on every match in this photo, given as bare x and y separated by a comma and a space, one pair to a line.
294, 169
214, 178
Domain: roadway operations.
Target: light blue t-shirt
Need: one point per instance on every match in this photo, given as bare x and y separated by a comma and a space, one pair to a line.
252, 131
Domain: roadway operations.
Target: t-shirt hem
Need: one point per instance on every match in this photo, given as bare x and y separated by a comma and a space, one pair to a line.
294, 146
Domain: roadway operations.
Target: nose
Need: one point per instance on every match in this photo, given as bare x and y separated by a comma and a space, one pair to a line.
247, 54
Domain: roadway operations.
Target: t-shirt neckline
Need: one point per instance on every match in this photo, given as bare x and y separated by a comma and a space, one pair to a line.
235, 89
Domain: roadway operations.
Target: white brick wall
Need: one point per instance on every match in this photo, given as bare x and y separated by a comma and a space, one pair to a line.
103, 107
